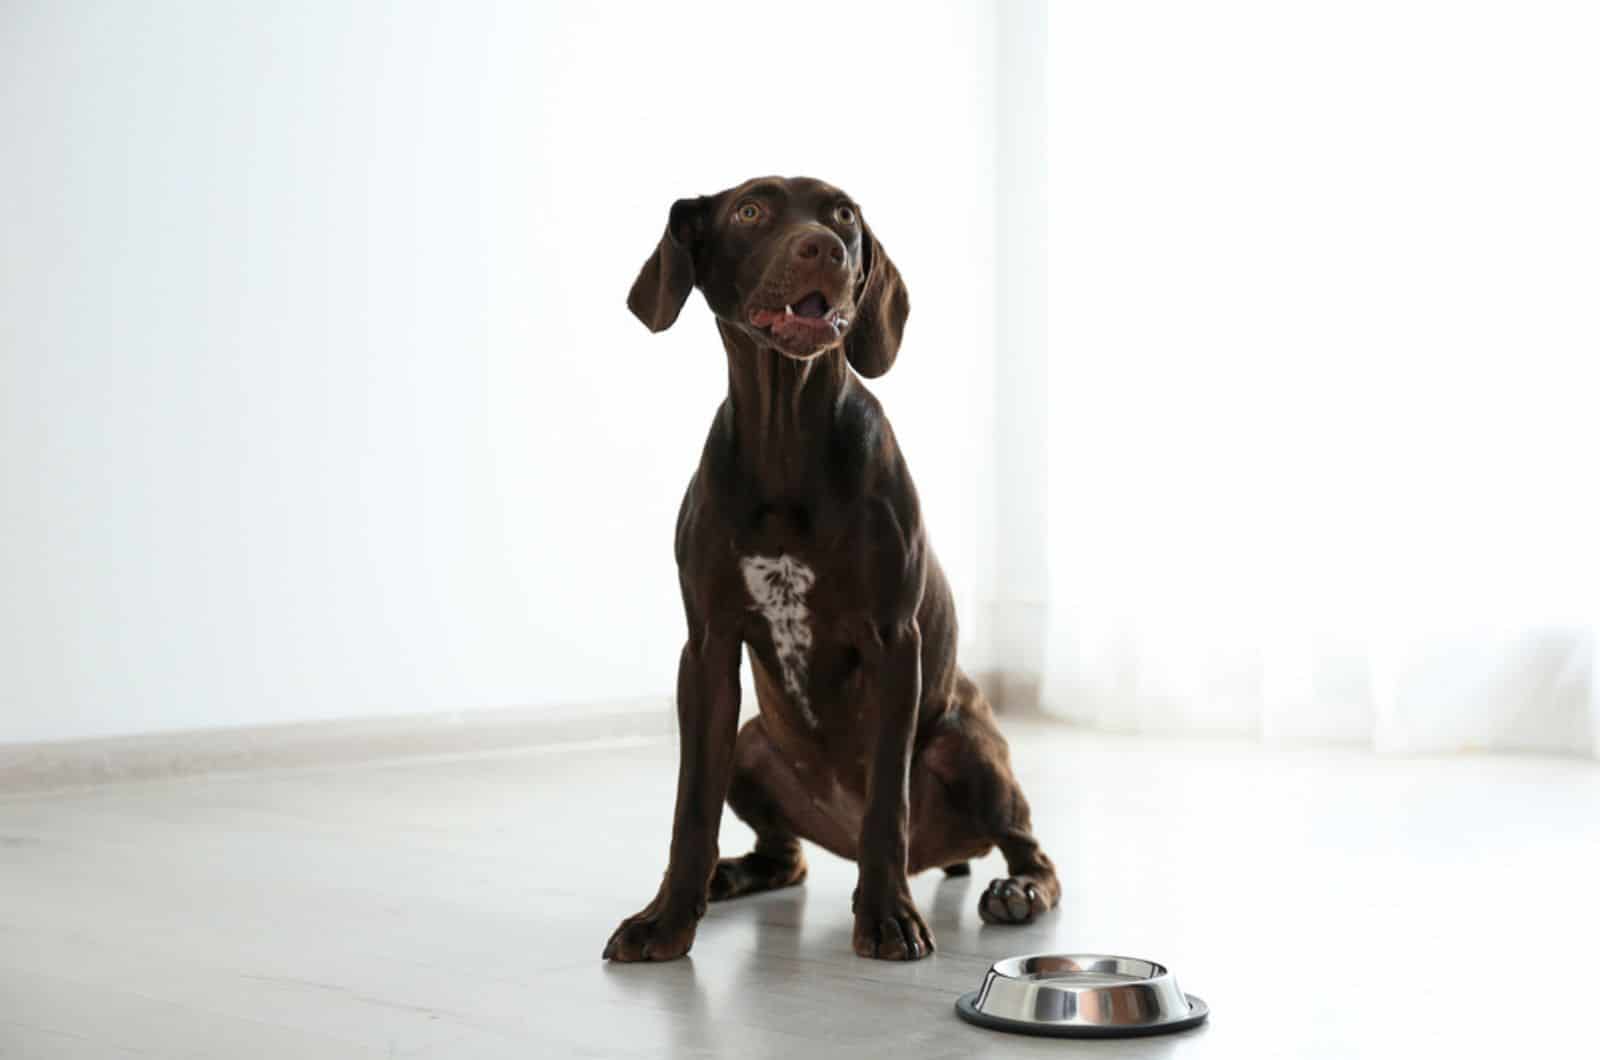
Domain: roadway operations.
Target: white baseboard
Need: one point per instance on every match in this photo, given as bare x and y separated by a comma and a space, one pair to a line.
35, 767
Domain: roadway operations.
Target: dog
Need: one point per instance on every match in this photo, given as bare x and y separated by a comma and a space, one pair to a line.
800, 542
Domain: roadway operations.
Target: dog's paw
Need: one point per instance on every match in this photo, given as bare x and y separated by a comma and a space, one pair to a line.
1017, 900
752, 873
891, 929
652, 935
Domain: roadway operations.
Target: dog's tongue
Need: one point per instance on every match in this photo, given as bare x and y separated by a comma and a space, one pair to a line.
812, 305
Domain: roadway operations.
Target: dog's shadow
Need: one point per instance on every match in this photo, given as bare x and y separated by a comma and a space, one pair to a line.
669, 999
781, 932
953, 900
778, 918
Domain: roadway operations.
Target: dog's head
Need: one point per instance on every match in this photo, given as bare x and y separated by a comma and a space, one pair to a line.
789, 262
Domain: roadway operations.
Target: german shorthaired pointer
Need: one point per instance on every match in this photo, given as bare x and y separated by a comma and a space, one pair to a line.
801, 541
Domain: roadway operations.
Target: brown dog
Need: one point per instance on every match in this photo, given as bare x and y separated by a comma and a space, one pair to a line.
801, 539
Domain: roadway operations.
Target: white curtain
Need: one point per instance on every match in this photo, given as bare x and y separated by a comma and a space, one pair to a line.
1324, 380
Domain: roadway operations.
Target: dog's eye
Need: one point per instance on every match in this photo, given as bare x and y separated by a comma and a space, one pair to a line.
844, 215
748, 213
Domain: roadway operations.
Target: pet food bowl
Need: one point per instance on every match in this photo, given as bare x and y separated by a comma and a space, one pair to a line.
1081, 995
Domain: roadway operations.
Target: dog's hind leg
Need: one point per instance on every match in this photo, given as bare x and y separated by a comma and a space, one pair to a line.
776, 861
1032, 887
981, 799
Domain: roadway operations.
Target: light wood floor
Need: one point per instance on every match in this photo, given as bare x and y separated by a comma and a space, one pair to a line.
1324, 904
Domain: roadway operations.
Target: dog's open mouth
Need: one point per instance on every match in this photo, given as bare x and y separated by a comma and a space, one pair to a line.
805, 325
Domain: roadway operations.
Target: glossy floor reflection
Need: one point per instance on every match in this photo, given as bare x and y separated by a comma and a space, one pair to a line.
1325, 904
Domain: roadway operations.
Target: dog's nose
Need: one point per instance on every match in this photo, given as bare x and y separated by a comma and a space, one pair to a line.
820, 248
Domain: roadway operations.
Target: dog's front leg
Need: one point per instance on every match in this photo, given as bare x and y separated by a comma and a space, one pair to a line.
887, 922
708, 720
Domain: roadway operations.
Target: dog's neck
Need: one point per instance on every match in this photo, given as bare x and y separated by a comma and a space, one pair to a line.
781, 409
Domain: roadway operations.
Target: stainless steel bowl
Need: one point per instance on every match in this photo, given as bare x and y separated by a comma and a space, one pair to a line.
1081, 995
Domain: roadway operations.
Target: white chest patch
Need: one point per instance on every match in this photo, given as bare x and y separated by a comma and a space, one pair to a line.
778, 586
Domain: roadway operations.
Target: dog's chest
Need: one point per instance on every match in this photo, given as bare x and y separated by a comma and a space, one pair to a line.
778, 588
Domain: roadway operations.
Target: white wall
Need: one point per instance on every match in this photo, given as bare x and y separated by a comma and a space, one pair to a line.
1323, 366
1014, 539
318, 396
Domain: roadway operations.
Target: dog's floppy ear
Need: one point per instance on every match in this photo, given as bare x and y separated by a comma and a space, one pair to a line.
668, 275
882, 305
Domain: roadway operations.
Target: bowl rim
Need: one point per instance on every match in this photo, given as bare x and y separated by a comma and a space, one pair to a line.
1157, 969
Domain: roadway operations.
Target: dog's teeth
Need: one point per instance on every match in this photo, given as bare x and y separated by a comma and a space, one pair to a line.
788, 311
